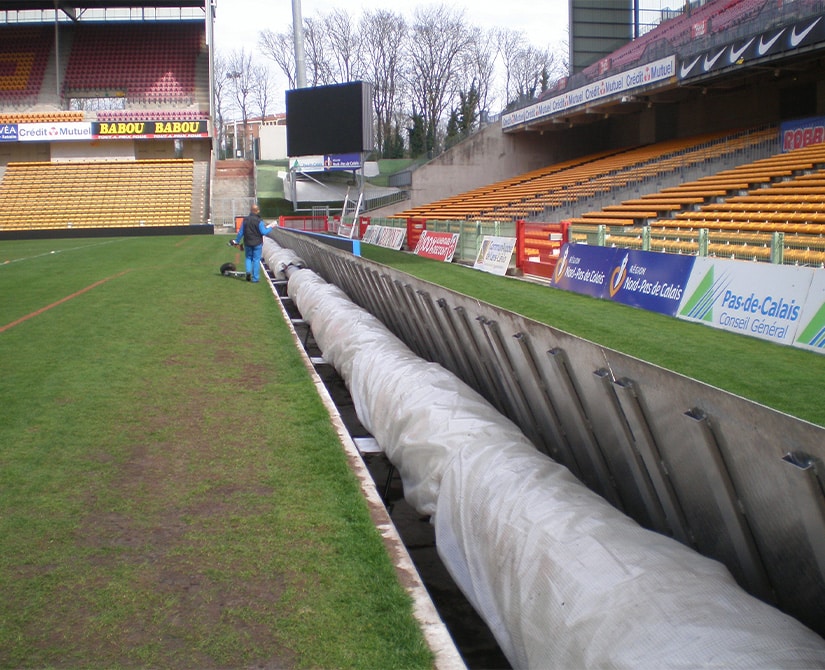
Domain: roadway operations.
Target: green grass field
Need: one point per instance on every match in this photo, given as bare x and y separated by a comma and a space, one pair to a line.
172, 492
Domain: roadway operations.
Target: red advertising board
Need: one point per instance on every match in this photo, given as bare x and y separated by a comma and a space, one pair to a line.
438, 246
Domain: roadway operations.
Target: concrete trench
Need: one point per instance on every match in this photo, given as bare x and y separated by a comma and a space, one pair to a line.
475, 647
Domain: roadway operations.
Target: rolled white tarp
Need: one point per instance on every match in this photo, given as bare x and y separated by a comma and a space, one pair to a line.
562, 578
278, 259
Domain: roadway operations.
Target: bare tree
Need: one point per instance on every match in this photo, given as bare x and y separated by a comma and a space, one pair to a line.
509, 45
480, 68
317, 53
343, 46
383, 40
220, 92
241, 75
439, 40
530, 74
278, 47
264, 89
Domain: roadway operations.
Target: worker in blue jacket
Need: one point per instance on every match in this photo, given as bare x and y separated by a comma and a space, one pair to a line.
252, 232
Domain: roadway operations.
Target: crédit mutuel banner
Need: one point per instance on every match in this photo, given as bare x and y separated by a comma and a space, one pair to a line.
624, 82
780, 303
97, 130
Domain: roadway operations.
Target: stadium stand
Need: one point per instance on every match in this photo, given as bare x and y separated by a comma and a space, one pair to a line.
740, 209
704, 20
126, 115
42, 117
24, 52
533, 194
150, 63
60, 169
96, 194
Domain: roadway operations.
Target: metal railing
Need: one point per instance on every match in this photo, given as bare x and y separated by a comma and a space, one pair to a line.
770, 247
471, 233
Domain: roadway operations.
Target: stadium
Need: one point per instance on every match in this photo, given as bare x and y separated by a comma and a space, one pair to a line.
594, 505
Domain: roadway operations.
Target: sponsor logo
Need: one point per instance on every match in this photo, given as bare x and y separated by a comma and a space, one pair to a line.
28, 132
618, 276
814, 333
736, 54
764, 47
709, 63
685, 69
699, 305
131, 128
561, 266
802, 137
177, 127
8, 132
795, 38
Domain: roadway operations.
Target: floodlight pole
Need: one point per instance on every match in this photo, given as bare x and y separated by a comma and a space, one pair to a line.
298, 39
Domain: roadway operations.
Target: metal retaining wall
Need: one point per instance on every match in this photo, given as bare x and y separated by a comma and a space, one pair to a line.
735, 480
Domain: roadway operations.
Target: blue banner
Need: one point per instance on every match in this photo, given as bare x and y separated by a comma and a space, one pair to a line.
651, 281
342, 161
802, 133
584, 269
8, 132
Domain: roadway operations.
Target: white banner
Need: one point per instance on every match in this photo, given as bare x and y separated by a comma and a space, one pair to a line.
54, 132
307, 163
812, 322
644, 75
760, 300
494, 254
384, 236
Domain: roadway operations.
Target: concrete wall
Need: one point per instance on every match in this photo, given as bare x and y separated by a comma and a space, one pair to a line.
492, 155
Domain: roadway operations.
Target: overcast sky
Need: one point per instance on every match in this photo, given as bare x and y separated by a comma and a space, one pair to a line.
543, 22
238, 22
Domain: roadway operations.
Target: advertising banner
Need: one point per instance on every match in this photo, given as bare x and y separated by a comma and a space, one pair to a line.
325, 163
307, 163
94, 130
624, 82
651, 281
764, 301
802, 133
54, 132
8, 132
384, 236
438, 246
334, 162
584, 269
643, 279
811, 331
495, 254
150, 129
740, 53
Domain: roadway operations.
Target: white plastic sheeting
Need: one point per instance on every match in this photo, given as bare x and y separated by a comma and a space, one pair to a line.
562, 578
279, 259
